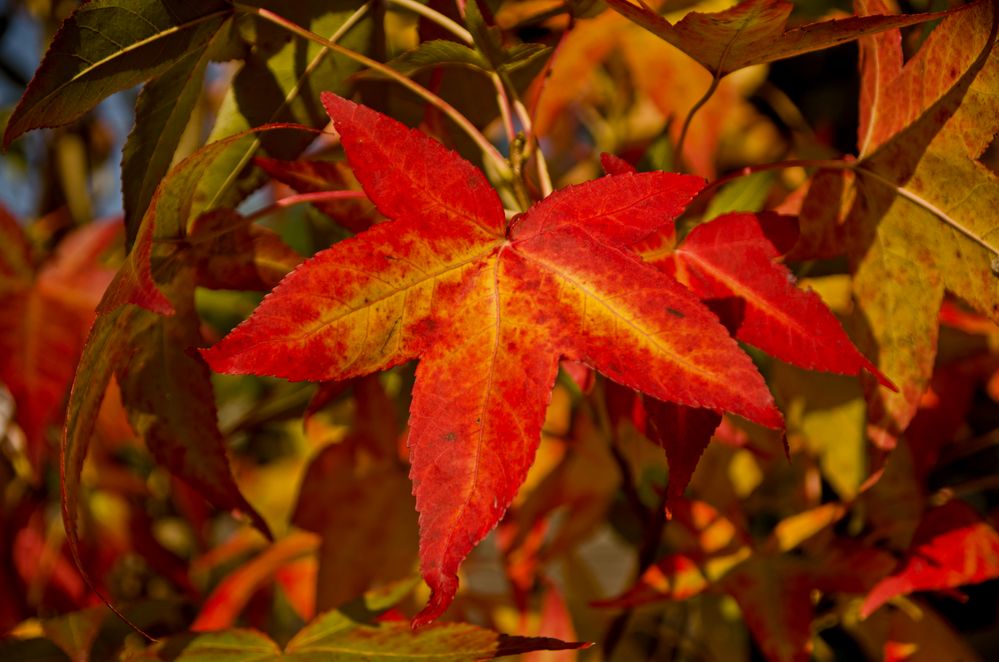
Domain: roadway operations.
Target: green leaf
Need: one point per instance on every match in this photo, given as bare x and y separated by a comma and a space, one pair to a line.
525, 58
487, 38
827, 412
443, 52
389, 641
162, 112
433, 53
333, 637
107, 46
744, 194
192, 186
281, 81
350, 634
235, 645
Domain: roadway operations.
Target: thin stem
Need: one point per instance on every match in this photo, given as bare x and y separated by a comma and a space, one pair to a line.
821, 164
690, 116
301, 198
502, 167
436, 17
503, 101
531, 139
544, 176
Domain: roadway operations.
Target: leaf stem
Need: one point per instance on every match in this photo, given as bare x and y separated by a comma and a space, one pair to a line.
301, 198
530, 138
488, 150
436, 17
544, 176
689, 118
821, 164
503, 101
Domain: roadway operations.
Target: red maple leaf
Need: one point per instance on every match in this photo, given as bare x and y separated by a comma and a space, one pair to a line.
489, 307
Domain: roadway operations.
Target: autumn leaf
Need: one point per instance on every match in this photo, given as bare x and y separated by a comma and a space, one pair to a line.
232, 253
915, 212
489, 310
732, 262
756, 32
952, 547
683, 433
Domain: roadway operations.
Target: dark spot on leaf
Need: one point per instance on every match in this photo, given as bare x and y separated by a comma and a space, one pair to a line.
674, 312
450, 436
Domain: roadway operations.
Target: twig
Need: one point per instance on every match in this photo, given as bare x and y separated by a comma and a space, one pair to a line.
436, 17
689, 118
344, 28
301, 198
502, 167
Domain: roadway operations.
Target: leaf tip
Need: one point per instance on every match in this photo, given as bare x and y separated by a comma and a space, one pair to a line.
442, 591
11, 131
216, 360
770, 416
881, 377
615, 165
336, 105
